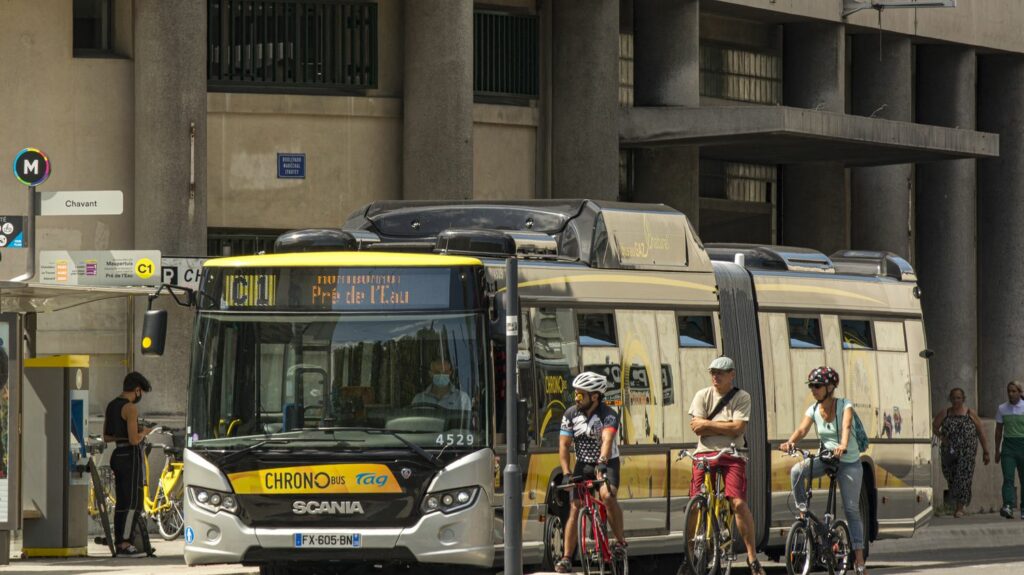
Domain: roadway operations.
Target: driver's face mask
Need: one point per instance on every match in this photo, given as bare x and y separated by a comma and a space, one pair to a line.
442, 379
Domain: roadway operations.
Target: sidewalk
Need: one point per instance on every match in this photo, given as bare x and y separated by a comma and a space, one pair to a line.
169, 560
972, 532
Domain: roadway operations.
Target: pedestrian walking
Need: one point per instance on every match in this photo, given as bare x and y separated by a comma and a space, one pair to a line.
959, 431
1010, 447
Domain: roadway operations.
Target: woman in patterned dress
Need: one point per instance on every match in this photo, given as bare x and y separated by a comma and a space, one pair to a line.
959, 429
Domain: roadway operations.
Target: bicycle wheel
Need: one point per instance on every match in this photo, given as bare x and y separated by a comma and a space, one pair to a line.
590, 554
170, 521
842, 549
799, 549
701, 537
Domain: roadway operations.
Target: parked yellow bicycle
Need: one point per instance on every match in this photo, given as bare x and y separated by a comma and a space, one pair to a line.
164, 503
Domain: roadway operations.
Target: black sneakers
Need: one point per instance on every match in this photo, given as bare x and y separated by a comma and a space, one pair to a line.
130, 551
1006, 512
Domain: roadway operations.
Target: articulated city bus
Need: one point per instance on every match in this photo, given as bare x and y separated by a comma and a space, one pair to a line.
346, 402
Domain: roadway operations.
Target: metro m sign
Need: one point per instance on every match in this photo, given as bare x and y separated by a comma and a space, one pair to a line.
31, 167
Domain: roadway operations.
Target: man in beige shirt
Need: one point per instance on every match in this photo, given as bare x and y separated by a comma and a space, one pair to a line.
718, 427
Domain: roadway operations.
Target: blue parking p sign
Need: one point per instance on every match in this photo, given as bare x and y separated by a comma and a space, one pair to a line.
291, 166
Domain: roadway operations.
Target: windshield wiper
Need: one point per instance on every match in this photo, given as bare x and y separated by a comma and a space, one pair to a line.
273, 441
415, 448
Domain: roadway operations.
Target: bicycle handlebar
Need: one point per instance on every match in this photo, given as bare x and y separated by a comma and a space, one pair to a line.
827, 456
578, 480
731, 451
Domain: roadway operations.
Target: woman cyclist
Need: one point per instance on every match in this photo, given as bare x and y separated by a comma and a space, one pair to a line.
832, 418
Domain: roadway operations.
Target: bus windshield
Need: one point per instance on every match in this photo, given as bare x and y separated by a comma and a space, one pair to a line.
420, 378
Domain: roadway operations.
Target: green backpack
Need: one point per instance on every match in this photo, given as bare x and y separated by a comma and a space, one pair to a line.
858, 430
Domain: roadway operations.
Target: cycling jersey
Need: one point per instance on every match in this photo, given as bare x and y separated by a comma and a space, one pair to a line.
586, 431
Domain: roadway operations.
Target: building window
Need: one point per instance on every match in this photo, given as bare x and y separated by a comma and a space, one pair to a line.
804, 332
696, 331
234, 242
506, 55
857, 334
625, 69
597, 329
738, 202
740, 74
737, 181
93, 28
297, 46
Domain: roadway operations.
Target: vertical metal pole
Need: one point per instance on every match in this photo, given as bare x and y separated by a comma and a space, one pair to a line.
5, 547
30, 237
513, 480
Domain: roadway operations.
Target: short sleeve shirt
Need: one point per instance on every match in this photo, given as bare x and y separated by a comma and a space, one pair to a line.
738, 409
1012, 418
830, 432
454, 400
586, 431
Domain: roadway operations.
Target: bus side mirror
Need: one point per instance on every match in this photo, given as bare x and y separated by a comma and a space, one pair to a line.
154, 332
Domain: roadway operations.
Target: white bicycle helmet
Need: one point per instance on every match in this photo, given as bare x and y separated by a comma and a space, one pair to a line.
591, 382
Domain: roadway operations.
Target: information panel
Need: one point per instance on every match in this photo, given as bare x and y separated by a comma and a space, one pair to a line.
342, 289
100, 268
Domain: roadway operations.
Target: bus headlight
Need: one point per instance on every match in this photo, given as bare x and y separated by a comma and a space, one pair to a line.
450, 501
213, 500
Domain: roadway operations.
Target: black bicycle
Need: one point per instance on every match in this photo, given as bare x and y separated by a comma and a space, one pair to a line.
819, 542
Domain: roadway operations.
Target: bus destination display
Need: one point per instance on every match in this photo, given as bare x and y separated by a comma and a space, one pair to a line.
339, 289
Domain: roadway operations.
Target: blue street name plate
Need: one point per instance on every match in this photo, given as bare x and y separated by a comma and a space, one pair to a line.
291, 166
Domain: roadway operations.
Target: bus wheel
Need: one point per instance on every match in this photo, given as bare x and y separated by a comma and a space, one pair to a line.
554, 541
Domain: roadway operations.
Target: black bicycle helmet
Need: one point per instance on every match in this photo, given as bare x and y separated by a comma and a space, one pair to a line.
823, 375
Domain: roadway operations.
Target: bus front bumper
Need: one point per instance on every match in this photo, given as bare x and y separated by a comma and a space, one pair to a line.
461, 538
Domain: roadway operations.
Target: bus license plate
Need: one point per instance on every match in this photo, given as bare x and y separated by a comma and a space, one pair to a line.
335, 541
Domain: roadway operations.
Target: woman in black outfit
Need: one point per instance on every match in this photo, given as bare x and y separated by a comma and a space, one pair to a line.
121, 425
959, 430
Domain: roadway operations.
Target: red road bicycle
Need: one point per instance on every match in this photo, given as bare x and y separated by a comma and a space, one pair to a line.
596, 554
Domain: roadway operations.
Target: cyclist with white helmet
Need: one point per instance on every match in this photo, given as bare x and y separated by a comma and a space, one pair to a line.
591, 426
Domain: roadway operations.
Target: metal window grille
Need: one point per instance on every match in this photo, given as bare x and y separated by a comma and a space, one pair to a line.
738, 182
291, 45
229, 242
506, 55
625, 69
742, 75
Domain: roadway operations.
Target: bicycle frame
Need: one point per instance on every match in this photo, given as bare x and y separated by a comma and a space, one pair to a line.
830, 503
599, 513
715, 492
170, 475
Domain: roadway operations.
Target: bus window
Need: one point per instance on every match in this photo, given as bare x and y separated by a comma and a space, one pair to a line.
696, 331
804, 332
597, 329
556, 362
890, 336
857, 334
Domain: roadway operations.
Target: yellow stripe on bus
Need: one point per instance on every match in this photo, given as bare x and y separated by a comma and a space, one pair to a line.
342, 259
316, 480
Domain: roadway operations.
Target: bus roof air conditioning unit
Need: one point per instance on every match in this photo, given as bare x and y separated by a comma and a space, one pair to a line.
496, 243
323, 240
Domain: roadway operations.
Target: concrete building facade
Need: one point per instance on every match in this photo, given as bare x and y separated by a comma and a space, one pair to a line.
768, 121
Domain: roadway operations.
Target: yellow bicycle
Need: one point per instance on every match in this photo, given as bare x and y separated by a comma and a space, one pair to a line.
708, 520
164, 503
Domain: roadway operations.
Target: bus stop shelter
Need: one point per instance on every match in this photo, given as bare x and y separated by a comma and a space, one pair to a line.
16, 300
